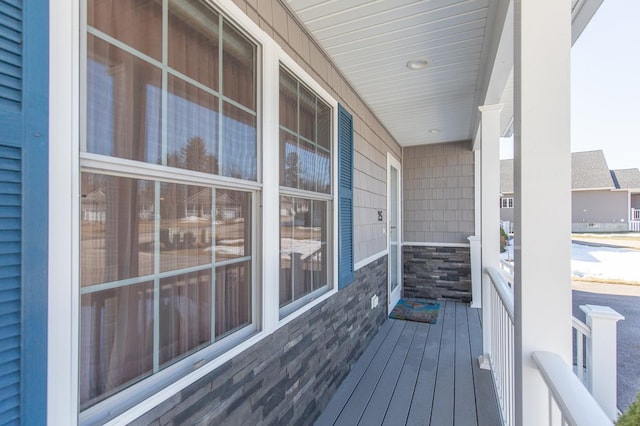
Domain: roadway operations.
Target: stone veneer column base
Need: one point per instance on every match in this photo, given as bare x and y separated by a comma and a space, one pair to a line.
437, 272
290, 375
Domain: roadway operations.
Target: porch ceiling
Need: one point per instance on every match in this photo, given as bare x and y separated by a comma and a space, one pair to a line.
372, 41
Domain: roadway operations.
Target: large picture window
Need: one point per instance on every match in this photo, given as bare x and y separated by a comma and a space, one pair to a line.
305, 193
168, 183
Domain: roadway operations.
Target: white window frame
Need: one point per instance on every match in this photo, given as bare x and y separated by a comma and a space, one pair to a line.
284, 191
506, 202
108, 165
65, 32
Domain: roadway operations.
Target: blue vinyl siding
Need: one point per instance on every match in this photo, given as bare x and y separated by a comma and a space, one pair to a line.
345, 197
23, 210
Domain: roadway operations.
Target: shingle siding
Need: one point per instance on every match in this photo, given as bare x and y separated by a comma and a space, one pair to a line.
438, 190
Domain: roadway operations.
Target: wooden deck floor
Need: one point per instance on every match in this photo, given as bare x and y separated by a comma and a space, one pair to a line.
419, 374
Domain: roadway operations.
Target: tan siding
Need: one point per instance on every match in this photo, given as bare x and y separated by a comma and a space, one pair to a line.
438, 193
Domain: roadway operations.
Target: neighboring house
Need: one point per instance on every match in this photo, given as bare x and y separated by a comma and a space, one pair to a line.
339, 145
602, 200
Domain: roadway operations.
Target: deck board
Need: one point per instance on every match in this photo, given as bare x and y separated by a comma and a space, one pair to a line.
377, 407
465, 401
359, 399
443, 397
486, 404
419, 374
398, 410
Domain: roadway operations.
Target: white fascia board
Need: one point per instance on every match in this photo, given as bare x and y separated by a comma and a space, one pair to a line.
581, 15
499, 63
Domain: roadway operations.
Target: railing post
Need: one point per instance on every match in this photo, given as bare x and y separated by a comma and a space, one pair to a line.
601, 356
476, 271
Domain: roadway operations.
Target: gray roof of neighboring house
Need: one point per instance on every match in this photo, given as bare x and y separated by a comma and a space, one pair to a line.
626, 178
589, 170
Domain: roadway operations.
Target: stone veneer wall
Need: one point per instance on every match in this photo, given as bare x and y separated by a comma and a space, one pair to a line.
437, 272
290, 376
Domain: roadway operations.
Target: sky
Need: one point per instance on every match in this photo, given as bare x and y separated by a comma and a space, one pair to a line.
605, 86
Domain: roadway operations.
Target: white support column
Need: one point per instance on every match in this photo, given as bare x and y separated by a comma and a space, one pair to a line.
542, 177
475, 246
602, 356
490, 216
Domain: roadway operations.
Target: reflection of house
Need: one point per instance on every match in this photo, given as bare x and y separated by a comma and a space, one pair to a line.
602, 200
388, 97
94, 206
200, 204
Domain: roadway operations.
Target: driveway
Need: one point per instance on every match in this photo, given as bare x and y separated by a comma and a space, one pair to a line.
626, 300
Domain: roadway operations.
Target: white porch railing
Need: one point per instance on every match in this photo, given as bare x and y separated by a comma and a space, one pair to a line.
501, 357
634, 223
600, 381
507, 269
569, 402
581, 337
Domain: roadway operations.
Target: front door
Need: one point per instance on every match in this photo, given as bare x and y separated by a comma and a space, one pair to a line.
393, 231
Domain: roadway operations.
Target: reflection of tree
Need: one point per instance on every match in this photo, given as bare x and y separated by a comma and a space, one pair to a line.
194, 156
292, 170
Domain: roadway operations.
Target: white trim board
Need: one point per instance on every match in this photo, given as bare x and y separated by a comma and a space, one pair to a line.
422, 244
364, 262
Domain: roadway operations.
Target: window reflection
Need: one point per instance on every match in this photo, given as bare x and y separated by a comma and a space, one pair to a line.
193, 40
303, 247
117, 228
192, 127
116, 340
205, 133
123, 104
132, 230
185, 314
305, 135
233, 297
185, 226
137, 23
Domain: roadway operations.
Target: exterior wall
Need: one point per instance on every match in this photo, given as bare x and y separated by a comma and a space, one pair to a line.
437, 272
506, 213
599, 211
635, 201
288, 377
371, 140
438, 192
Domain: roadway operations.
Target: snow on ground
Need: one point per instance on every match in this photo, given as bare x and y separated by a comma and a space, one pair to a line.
600, 263
607, 263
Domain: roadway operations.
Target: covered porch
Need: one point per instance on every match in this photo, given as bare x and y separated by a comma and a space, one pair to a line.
510, 75
419, 374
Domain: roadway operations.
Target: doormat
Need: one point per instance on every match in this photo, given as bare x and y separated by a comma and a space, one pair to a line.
419, 310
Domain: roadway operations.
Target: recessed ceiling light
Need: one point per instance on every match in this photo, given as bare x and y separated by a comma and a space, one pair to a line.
435, 131
417, 64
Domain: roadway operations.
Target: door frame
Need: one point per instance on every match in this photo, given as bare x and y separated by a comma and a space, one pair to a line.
393, 297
